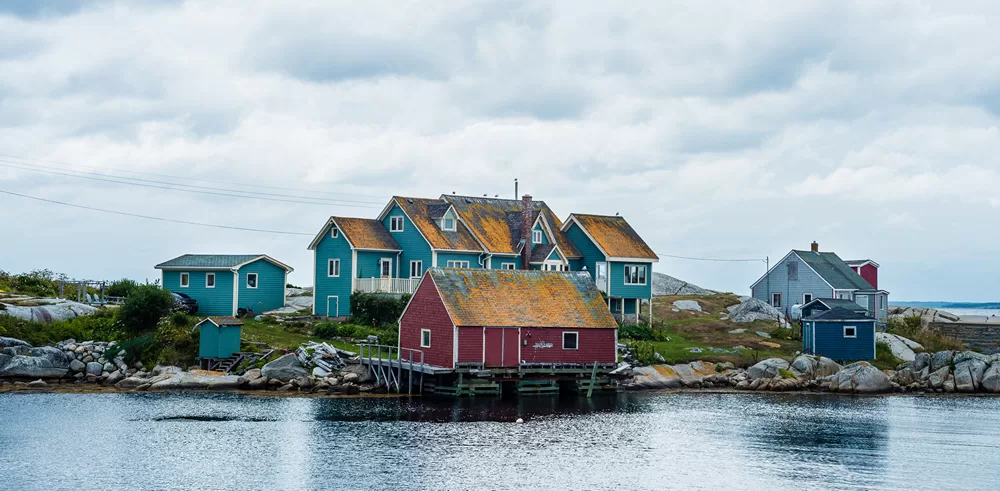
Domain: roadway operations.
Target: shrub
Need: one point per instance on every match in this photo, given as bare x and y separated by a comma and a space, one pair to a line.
178, 343
325, 330
782, 333
377, 310
121, 288
785, 373
144, 307
39, 283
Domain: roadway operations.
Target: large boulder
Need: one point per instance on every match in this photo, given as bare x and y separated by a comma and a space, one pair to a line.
652, 377
860, 378
285, 369
969, 355
814, 366
941, 359
991, 379
11, 342
77, 366
94, 368
937, 378
196, 379
969, 375
166, 370
43, 362
906, 376
901, 347
767, 369
921, 361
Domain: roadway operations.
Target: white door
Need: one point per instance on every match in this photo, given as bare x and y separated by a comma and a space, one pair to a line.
385, 267
601, 276
333, 305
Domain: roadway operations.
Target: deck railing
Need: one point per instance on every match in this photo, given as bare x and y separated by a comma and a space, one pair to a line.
390, 372
386, 285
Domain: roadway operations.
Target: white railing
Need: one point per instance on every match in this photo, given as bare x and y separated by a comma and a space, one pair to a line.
386, 285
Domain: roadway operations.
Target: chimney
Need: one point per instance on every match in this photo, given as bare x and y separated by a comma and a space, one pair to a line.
527, 211
815, 246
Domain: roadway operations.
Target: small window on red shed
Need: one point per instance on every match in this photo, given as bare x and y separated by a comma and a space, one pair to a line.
571, 340
425, 338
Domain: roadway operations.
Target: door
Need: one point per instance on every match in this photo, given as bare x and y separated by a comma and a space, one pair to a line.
601, 276
385, 268
333, 305
501, 347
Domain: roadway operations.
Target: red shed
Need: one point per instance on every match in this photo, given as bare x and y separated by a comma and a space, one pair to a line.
508, 318
867, 268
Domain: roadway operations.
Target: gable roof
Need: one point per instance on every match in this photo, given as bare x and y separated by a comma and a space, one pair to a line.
839, 314
217, 261
833, 270
423, 213
518, 298
861, 262
221, 321
366, 233
837, 303
541, 252
496, 222
614, 236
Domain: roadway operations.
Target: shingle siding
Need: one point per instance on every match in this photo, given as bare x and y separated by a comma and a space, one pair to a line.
211, 301
325, 287
270, 291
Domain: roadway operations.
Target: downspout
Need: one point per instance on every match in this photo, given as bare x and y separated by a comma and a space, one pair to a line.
398, 265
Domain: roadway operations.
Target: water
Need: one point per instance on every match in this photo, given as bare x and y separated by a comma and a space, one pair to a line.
973, 312
629, 441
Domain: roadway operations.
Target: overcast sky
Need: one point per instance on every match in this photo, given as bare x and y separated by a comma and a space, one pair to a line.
718, 129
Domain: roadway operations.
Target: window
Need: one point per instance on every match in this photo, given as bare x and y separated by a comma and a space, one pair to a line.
458, 264
395, 224
185, 280
793, 270
448, 223
416, 269
508, 266
850, 332
425, 338
385, 267
806, 298
861, 300
209, 280
571, 340
881, 302
251, 280
334, 233
536, 236
333, 268
776, 300
635, 275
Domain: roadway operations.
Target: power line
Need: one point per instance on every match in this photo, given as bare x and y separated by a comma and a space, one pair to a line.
135, 215
713, 259
214, 192
236, 183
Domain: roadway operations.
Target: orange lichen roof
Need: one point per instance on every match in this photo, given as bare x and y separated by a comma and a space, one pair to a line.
365, 233
496, 222
615, 236
517, 298
421, 212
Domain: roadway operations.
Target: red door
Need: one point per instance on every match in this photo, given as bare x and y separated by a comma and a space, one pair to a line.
501, 347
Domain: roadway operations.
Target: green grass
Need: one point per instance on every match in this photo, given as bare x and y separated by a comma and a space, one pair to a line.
884, 359
275, 336
677, 349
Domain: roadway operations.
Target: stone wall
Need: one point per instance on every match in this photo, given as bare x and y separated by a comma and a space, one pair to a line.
984, 338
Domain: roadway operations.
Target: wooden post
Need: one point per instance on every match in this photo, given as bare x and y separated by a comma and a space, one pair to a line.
593, 380
409, 384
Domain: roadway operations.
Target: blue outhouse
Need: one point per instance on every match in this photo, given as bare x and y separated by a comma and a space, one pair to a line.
219, 337
839, 334
223, 284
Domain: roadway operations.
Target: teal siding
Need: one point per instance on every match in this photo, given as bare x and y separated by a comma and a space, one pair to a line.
444, 257
620, 289
270, 291
498, 261
415, 247
831, 343
330, 248
591, 254
545, 238
218, 342
211, 301
368, 265
554, 256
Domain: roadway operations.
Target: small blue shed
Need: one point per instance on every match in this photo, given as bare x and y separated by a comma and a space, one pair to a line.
839, 334
223, 284
219, 337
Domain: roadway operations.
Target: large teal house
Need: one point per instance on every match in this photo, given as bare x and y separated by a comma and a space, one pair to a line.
389, 254
223, 284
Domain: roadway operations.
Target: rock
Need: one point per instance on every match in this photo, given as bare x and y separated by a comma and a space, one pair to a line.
319, 372
351, 377
941, 359
937, 378
11, 343
921, 361
166, 370
969, 355
815, 367
94, 368
763, 334
131, 383
360, 371
115, 377
949, 384
738, 331
44, 362
860, 378
109, 367
332, 381
285, 369
688, 305
905, 377
257, 383
197, 379
36, 383
898, 345
991, 379
253, 374
668, 285
969, 374
286, 388
767, 368
753, 309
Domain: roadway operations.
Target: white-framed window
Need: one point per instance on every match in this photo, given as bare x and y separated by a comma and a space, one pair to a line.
635, 275
508, 266
209, 280
425, 338
416, 269
385, 267
806, 298
776, 299
252, 280
850, 331
334, 232
448, 223
333, 268
861, 300
571, 340
185, 280
536, 236
395, 224
458, 264
881, 302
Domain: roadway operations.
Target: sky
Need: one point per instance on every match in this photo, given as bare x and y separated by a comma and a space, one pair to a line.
721, 130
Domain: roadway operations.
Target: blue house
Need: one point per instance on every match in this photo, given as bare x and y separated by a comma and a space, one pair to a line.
218, 337
223, 284
803, 276
390, 253
839, 334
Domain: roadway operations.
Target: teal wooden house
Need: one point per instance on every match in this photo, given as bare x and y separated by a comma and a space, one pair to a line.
839, 334
389, 254
219, 337
223, 284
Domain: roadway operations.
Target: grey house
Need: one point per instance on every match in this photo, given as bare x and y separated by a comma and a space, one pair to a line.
803, 276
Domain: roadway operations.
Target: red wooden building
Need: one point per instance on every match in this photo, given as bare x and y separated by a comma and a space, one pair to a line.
867, 268
508, 319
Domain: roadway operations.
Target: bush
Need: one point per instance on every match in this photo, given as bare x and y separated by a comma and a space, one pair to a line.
38, 283
912, 328
785, 333
144, 308
100, 327
325, 330
121, 288
178, 342
377, 310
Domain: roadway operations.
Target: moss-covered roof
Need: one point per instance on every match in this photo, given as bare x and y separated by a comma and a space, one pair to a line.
424, 214
366, 233
496, 222
518, 298
615, 236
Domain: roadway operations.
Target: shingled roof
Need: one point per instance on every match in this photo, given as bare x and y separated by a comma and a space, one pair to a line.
834, 270
496, 222
424, 214
517, 298
216, 261
615, 236
366, 233
839, 314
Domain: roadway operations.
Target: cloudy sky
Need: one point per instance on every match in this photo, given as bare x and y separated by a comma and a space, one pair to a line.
718, 129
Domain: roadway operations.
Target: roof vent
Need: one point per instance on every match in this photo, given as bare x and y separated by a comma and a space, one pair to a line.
410, 201
467, 200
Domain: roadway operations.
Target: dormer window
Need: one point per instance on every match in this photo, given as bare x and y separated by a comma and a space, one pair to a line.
448, 222
334, 233
395, 224
536, 236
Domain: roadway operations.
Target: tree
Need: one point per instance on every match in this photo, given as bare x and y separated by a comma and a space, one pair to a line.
144, 307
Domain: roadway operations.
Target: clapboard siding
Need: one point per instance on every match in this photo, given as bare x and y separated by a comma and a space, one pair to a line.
211, 301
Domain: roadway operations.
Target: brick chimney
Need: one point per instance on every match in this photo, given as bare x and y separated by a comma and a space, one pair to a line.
527, 211
815, 246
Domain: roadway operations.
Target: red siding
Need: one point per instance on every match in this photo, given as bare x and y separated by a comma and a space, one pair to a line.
595, 345
427, 311
870, 273
501, 347
470, 344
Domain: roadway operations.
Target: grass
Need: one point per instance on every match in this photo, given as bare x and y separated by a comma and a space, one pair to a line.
884, 359
276, 336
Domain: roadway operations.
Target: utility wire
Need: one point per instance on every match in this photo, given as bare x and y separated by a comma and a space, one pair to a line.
713, 259
186, 178
153, 218
366, 204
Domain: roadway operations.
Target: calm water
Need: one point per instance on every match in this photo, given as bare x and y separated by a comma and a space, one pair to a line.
632, 441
